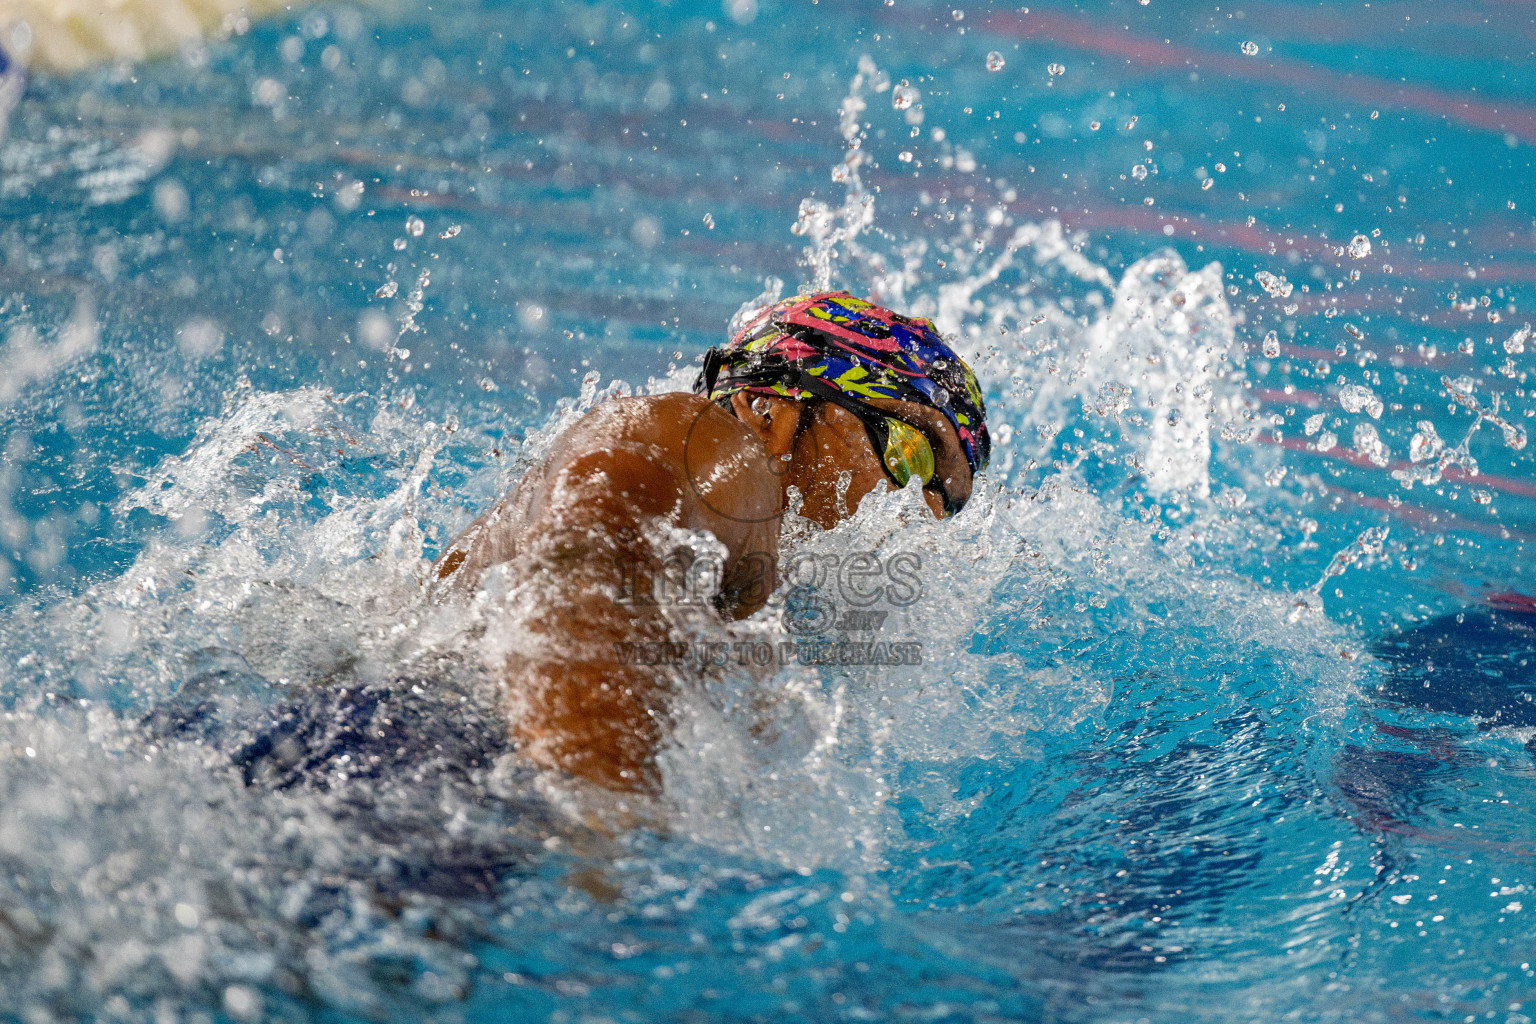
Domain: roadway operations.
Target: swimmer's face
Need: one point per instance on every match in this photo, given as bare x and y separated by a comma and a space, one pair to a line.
825, 441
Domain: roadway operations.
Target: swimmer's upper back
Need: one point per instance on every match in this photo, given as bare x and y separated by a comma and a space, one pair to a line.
675, 457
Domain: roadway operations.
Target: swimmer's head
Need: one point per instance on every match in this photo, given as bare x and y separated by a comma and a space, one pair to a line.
888, 392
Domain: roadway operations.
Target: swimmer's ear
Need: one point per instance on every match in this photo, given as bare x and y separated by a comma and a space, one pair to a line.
777, 423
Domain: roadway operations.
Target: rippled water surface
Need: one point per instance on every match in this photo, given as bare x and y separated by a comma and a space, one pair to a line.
1224, 709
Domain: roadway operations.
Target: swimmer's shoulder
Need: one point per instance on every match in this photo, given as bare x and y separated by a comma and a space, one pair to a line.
716, 465
677, 454
669, 420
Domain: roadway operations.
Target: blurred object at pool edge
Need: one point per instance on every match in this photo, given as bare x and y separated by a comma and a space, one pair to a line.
68, 35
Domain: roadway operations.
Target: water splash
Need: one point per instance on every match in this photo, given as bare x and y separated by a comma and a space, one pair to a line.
828, 227
1368, 545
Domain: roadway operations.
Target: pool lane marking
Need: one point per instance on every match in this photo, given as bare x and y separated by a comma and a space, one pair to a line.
1197, 226
1194, 225
1429, 520
1452, 474
1091, 35
1372, 26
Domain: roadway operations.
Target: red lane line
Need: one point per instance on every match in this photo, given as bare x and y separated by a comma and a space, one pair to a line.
1091, 35
1429, 520
1254, 238
1396, 360
1274, 396
1377, 28
1307, 398
1504, 484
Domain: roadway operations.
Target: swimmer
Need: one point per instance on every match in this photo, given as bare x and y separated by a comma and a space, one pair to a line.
823, 396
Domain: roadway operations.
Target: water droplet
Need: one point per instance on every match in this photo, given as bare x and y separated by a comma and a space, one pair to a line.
1375, 114
386, 290
1466, 347
1114, 398
414, 226
903, 96
1057, 69
1314, 423
1271, 345
709, 221
1354, 332
1221, 168
242, 1002
1139, 172
268, 92
1274, 476
1359, 247
1148, 201
1207, 183
1326, 441
957, 15
452, 231
1482, 497
1093, 126
200, 337
646, 231
1426, 444
1356, 397
172, 201
400, 244
1515, 343
1251, 48
1132, 122
995, 61
1368, 443
1276, 285
905, 156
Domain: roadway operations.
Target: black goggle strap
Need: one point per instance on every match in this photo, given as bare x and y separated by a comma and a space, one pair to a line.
713, 360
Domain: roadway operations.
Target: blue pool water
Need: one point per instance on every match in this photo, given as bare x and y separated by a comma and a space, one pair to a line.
1224, 710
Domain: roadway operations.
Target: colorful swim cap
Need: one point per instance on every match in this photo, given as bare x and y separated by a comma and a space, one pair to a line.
800, 345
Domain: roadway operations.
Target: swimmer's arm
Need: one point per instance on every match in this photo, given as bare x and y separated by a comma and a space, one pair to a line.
589, 704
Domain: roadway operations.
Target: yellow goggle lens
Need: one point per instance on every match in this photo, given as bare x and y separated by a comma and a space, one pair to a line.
907, 453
